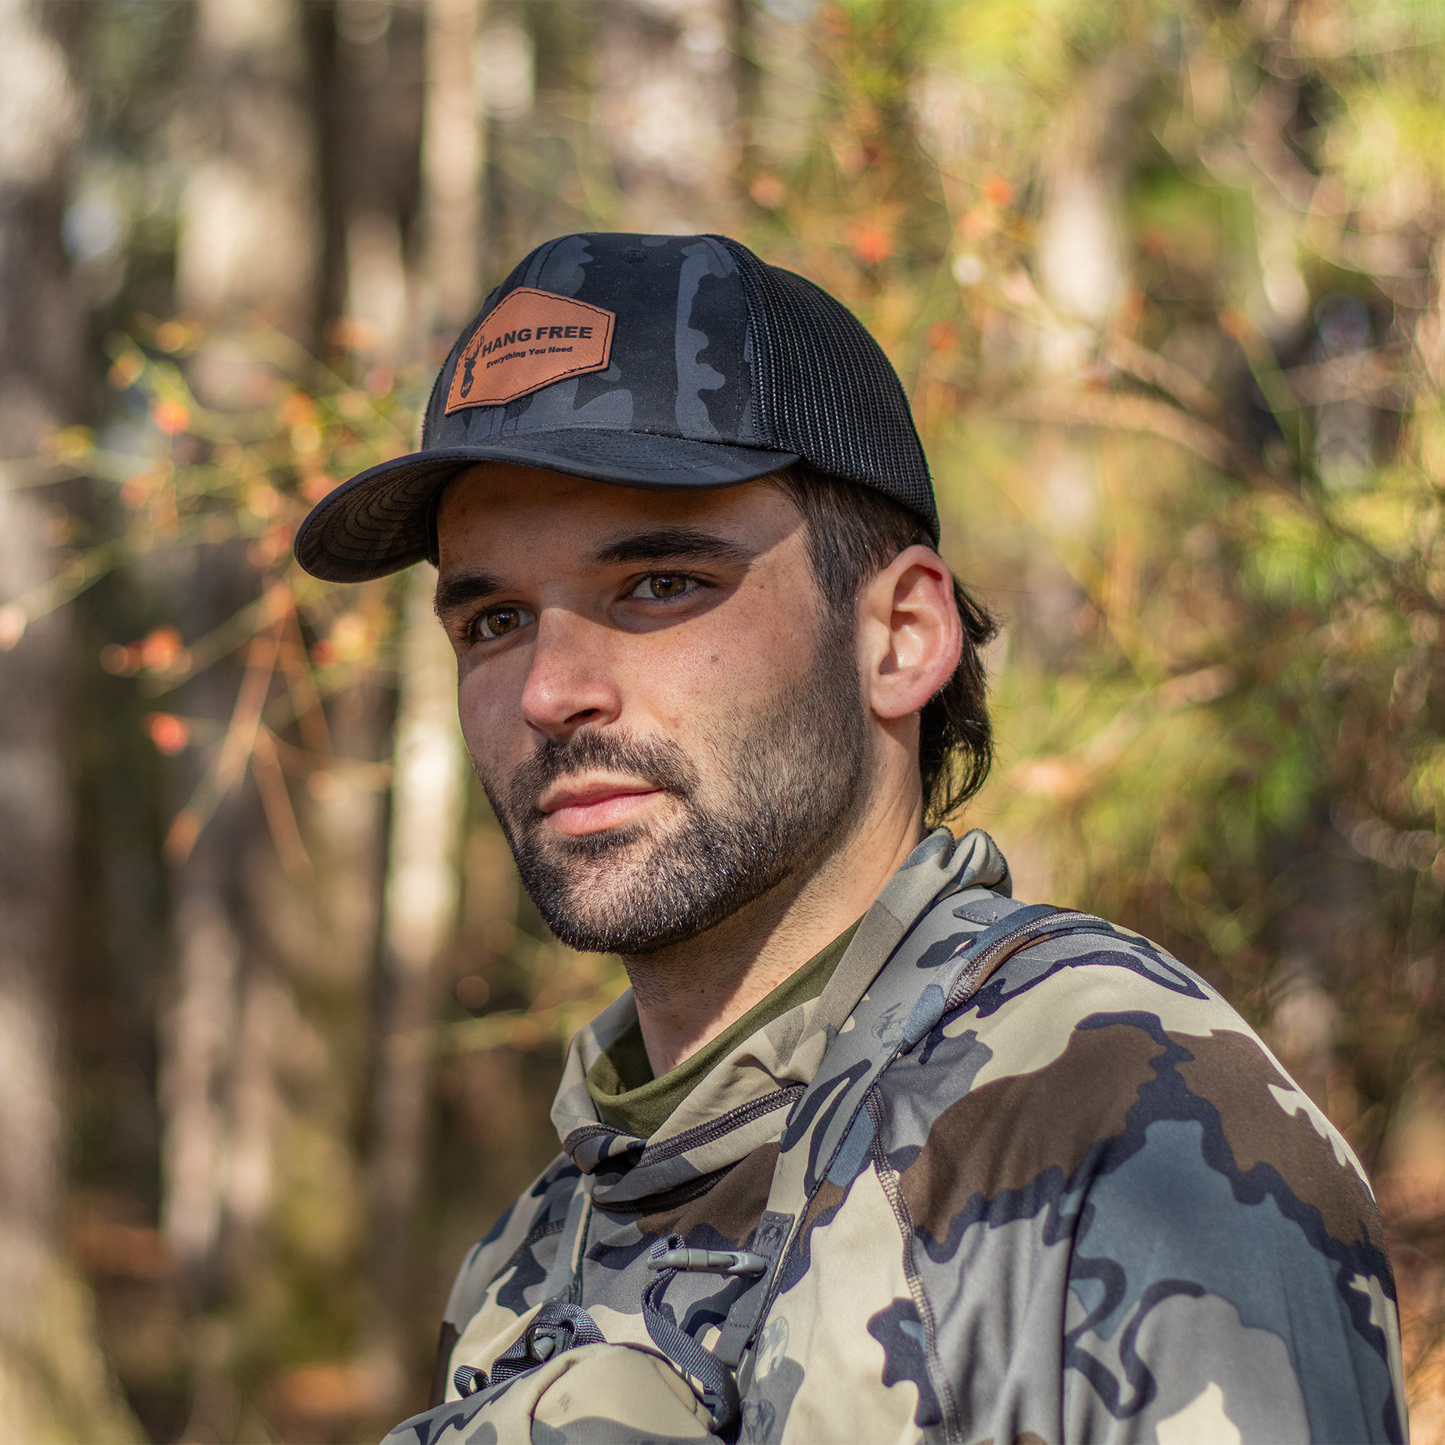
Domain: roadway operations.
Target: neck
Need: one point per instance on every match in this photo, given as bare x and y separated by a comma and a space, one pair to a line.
690, 993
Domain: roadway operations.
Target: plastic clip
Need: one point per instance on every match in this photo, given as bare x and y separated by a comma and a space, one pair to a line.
711, 1261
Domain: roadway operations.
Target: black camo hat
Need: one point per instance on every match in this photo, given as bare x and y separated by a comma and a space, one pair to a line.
661, 362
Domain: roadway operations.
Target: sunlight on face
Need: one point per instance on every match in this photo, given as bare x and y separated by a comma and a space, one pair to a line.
667, 720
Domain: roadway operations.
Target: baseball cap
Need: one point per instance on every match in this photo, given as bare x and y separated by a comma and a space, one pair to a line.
664, 362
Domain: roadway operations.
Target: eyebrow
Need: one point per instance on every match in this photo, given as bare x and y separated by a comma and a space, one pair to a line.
456, 591
661, 544
664, 543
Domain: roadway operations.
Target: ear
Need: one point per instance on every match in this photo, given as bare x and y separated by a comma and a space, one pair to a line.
909, 636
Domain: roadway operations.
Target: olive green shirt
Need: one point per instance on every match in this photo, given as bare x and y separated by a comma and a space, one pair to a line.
622, 1084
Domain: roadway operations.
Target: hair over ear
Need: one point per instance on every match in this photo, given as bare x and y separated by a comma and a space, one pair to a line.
853, 533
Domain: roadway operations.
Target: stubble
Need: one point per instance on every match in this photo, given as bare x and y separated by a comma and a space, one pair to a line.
765, 796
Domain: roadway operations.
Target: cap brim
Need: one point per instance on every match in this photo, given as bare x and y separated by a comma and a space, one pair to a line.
377, 522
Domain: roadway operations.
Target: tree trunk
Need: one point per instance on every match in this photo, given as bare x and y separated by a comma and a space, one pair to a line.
375, 150
666, 103
422, 888
452, 155
53, 1384
250, 231
249, 245
1082, 272
1081, 244
427, 794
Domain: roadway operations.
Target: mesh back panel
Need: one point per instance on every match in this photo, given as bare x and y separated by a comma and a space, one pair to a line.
826, 390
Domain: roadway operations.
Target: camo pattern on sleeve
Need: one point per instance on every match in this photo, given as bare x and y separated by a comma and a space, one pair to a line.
1080, 1201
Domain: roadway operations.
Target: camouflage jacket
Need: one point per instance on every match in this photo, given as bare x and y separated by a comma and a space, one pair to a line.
1016, 1175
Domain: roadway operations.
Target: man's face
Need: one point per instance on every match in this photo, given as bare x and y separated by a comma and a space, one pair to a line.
668, 721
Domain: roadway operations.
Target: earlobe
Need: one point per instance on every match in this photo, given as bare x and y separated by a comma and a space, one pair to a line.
910, 633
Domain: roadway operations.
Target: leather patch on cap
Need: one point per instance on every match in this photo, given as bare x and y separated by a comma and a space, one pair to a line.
530, 340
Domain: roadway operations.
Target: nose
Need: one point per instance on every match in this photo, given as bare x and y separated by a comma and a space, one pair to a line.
570, 683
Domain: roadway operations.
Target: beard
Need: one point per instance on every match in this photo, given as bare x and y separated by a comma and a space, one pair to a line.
766, 797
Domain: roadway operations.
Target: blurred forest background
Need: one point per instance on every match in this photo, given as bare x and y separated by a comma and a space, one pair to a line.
278, 1032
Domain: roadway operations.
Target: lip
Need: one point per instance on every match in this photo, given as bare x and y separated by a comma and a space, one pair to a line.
590, 805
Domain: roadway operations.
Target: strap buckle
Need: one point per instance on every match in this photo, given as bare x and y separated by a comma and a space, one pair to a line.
736, 1262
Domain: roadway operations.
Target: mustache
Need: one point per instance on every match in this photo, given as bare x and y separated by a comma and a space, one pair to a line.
655, 760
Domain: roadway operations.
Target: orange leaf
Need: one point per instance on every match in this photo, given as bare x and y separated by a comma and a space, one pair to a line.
161, 649
297, 408
997, 191
942, 336
869, 243
170, 417
768, 191
169, 733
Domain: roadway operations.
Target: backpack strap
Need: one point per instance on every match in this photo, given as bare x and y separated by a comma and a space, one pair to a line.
829, 1131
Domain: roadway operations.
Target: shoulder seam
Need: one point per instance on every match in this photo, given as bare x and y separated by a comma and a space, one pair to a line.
932, 1360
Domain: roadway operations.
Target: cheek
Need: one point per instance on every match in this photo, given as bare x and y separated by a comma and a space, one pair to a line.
731, 661
489, 708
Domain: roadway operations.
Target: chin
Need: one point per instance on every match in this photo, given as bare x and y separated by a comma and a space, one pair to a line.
602, 931
641, 905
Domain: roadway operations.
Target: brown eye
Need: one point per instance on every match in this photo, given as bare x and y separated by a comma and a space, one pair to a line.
666, 587
500, 621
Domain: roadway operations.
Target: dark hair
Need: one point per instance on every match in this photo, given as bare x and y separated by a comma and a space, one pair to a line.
853, 533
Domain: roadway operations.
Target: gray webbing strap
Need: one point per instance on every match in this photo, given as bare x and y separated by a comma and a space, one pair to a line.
828, 1125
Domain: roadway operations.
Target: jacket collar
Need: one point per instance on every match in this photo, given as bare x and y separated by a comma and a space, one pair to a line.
740, 1105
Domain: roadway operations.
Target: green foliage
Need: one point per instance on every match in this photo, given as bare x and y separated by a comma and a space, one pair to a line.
1220, 688
1211, 524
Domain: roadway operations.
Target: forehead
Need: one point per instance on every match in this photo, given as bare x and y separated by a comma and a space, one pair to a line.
493, 510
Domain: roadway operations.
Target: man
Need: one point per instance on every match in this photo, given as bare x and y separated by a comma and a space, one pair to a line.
870, 1151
